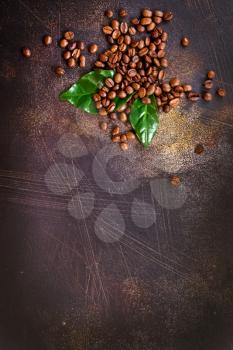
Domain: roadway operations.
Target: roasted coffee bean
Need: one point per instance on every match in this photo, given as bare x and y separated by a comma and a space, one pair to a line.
158, 13
102, 93
143, 51
148, 59
174, 82
130, 136
99, 105
107, 30
123, 117
109, 13
126, 59
175, 94
158, 91
164, 36
132, 73
208, 84
123, 13
175, 181
147, 13
131, 51
185, 42
99, 64
111, 107
109, 82
157, 62
47, 40
193, 96
164, 62
116, 33
116, 138
161, 46
166, 108
123, 138
174, 102
124, 27
103, 112
124, 146
168, 16
123, 47
150, 90
211, 74
114, 48
145, 21
63, 43
96, 97
76, 53
93, 48
150, 27
136, 86
69, 35
141, 28
115, 131
26, 52
159, 102
127, 39
113, 116
141, 44
122, 108
116, 87
115, 24
71, 46
132, 31
157, 20
187, 88
146, 100
71, 62
121, 94
142, 92
179, 89
207, 96
82, 61
161, 53
105, 88
60, 71
103, 126
103, 57
111, 95
129, 90
81, 45
199, 149
118, 78
166, 87
221, 92
164, 98
135, 21
161, 75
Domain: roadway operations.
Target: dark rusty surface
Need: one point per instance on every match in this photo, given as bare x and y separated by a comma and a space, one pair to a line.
167, 287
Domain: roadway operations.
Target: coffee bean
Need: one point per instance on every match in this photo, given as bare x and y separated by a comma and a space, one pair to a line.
103, 126
116, 138
116, 33
174, 102
208, 84
123, 117
115, 131
211, 74
26, 52
132, 31
147, 13
158, 91
115, 24
175, 181
164, 62
166, 87
142, 92
103, 57
124, 146
123, 47
150, 90
168, 16
111, 95
81, 45
161, 75
93, 48
96, 97
157, 20
111, 107
145, 21
193, 96
123, 13
130, 135
69, 35
71, 46
82, 61
71, 62
221, 92
158, 13
124, 27
207, 96
161, 53
107, 30
164, 36
174, 82
132, 73
98, 105
129, 90
113, 116
123, 138
121, 94
135, 21
141, 28
150, 27
109, 82
187, 88
199, 149
60, 71
185, 42
76, 53
143, 51
127, 39
166, 108
99, 64
164, 98
162, 46
108, 13
146, 100
136, 86
122, 108
103, 112
179, 89
63, 43
47, 40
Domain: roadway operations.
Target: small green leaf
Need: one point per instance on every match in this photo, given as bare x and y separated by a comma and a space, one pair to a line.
121, 101
144, 120
81, 93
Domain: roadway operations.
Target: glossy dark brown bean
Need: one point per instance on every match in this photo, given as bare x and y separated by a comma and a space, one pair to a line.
116, 138
158, 13
109, 13
124, 27
164, 62
166, 108
135, 21
130, 136
71, 46
93, 48
115, 131
157, 20
80, 45
141, 28
158, 91
150, 90
69, 35
174, 102
208, 84
129, 90
174, 82
82, 61
123, 138
187, 88
142, 92
103, 57
109, 82
166, 87
146, 100
207, 96
221, 92
124, 146
123, 13
111, 95
111, 107
63, 43
71, 62
121, 94
185, 42
107, 30
147, 13
123, 117
103, 112
211, 74
168, 16
60, 71
47, 40
113, 116
193, 96
99, 64
76, 54
145, 21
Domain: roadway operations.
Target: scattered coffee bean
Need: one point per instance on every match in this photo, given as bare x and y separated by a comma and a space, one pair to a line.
113, 116
208, 84
174, 82
124, 146
116, 138
185, 42
123, 138
103, 126
187, 88
107, 30
63, 43
26, 52
71, 46
81, 45
71, 62
175, 180
115, 24
82, 61
47, 40
135, 21
211, 74
69, 35
60, 71
123, 13
167, 16
193, 96
93, 48
207, 96
221, 92
130, 135
199, 149
109, 13
158, 13
115, 131
66, 55
123, 117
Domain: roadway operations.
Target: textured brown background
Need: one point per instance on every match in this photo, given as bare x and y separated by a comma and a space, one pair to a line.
165, 288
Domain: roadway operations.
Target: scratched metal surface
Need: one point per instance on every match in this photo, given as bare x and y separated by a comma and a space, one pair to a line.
165, 280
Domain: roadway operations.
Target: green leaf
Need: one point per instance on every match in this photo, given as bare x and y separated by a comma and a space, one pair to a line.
121, 101
144, 120
81, 93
